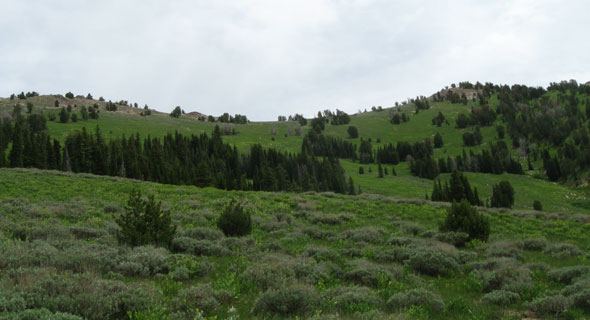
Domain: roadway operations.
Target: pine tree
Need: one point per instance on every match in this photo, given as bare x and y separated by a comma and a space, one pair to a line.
380, 169
64, 116
351, 190
144, 222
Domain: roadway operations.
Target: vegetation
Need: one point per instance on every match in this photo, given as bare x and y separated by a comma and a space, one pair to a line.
462, 217
234, 220
144, 222
380, 251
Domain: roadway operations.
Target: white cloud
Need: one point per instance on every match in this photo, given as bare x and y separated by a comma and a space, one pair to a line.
263, 58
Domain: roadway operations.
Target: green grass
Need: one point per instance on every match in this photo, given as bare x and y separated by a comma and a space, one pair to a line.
49, 198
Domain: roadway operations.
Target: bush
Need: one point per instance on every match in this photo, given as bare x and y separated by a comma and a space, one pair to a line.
566, 275
534, 244
415, 297
458, 239
202, 233
551, 305
70, 95
289, 301
351, 299
268, 275
537, 205
234, 220
201, 297
38, 314
500, 297
176, 113
199, 247
581, 299
563, 250
502, 195
433, 263
144, 222
365, 234
398, 255
353, 132
144, 261
365, 273
462, 217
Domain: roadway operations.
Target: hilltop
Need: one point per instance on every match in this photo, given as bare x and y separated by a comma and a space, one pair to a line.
342, 226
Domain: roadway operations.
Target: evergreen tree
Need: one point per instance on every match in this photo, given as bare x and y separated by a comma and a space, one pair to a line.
462, 217
144, 222
502, 195
64, 116
380, 170
438, 140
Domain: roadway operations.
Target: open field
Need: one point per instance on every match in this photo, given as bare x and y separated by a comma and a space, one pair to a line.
340, 256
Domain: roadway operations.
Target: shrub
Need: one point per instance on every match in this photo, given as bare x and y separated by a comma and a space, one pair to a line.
201, 297
566, 275
462, 217
365, 273
353, 132
38, 314
202, 233
287, 301
502, 195
534, 244
321, 253
504, 249
365, 234
176, 113
144, 222
551, 305
433, 263
500, 297
69, 95
144, 261
458, 239
268, 275
563, 250
350, 299
415, 297
398, 255
578, 285
234, 220
199, 247
537, 205
11, 301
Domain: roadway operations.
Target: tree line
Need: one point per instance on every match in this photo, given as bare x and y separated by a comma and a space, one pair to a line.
199, 160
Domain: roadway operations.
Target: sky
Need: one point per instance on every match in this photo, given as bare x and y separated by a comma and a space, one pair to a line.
265, 58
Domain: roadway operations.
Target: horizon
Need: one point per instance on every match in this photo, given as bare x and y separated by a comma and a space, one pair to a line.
269, 58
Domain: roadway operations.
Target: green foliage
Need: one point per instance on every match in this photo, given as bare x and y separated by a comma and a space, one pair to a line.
502, 195
462, 217
500, 297
144, 222
551, 305
416, 297
287, 301
69, 95
353, 132
234, 221
537, 205
433, 263
176, 113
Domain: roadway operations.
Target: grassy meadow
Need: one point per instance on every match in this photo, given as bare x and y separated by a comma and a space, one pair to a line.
321, 256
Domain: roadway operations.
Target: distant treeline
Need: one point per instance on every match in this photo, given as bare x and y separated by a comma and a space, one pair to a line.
201, 160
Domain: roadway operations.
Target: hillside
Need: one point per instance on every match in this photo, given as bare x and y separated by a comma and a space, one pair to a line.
342, 227
321, 254
374, 126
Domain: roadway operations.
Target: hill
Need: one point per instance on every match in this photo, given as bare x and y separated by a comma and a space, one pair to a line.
319, 254
373, 126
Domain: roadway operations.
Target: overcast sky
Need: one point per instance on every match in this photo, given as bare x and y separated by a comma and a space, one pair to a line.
266, 58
